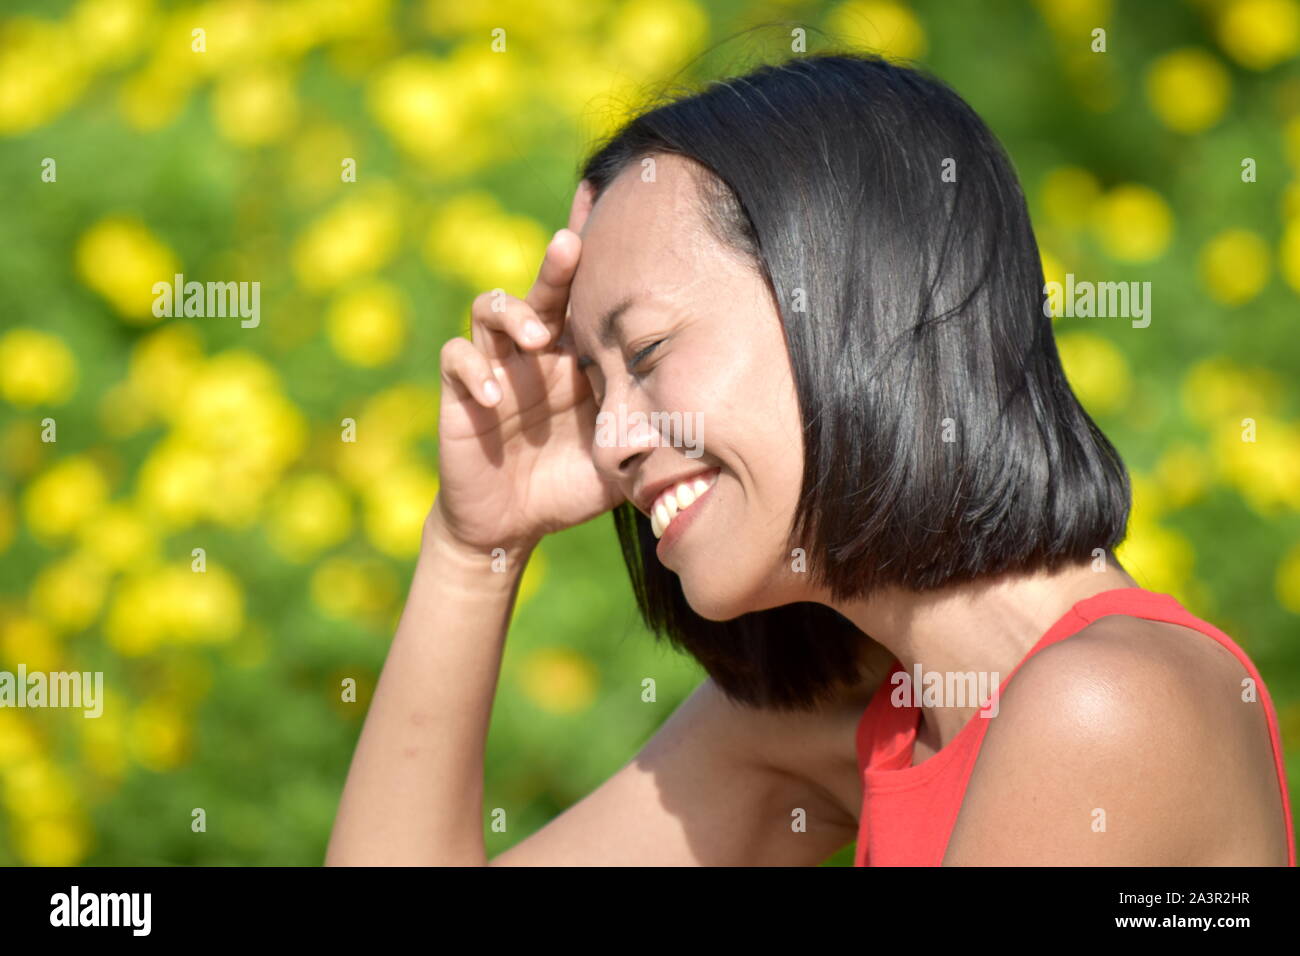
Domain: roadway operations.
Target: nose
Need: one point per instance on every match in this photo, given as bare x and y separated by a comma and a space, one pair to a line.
625, 436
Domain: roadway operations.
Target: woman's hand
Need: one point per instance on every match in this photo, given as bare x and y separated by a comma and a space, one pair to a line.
515, 463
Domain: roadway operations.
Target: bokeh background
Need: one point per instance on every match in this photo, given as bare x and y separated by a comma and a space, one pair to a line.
223, 688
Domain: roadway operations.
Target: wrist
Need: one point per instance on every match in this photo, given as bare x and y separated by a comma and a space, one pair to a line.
439, 542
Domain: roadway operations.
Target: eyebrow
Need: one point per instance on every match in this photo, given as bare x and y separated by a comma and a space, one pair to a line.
610, 328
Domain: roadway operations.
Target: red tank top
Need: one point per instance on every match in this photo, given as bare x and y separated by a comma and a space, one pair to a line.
908, 813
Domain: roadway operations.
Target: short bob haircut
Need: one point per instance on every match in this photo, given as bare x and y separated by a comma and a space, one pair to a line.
942, 443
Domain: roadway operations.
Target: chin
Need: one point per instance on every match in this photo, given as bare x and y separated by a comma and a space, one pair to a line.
715, 606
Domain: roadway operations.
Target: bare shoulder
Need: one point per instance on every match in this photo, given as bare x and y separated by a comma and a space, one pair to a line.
1128, 743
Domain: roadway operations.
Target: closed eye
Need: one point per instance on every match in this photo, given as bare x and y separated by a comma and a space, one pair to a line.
641, 356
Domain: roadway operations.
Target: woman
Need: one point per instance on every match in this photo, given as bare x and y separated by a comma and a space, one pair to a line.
829, 264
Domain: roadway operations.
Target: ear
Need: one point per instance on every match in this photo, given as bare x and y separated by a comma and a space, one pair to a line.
583, 200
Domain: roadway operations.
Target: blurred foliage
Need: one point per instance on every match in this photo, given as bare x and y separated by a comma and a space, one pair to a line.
223, 688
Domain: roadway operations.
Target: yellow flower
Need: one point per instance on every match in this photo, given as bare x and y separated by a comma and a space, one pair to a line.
120, 538
536, 19
350, 588
70, 592
38, 787
1182, 472
367, 325
473, 239
233, 406
415, 99
52, 840
255, 106
396, 506
559, 680
136, 622
7, 522
234, 433
63, 498
1234, 266
1217, 391
21, 450
18, 742
880, 26
237, 36
163, 364
1260, 34
103, 738
121, 260
1073, 19
41, 73
1288, 254
35, 368
1158, 558
648, 37
1263, 470
353, 239
1133, 223
308, 514
109, 32
1188, 90
1096, 369
571, 72
176, 483
295, 26
174, 604
158, 736
29, 640
1288, 581
389, 422
1069, 193
202, 607
1149, 503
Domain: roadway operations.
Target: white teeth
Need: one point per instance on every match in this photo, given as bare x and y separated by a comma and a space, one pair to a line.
678, 499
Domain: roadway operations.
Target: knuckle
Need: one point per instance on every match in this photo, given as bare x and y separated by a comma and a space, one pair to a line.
488, 305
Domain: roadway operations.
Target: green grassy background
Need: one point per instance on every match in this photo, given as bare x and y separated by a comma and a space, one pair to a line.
175, 434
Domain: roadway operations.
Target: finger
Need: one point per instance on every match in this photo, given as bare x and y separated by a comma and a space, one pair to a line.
550, 293
512, 318
468, 372
583, 199
489, 330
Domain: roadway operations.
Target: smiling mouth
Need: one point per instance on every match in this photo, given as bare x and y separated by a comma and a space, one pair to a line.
677, 499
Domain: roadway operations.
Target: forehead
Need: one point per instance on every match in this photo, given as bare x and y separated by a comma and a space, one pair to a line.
643, 239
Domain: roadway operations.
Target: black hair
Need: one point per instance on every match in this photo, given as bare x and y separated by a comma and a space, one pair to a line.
942, 443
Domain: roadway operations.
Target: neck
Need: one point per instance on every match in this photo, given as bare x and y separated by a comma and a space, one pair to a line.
986, 627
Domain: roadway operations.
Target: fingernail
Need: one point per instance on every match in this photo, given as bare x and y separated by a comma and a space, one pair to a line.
534, 331
492, 390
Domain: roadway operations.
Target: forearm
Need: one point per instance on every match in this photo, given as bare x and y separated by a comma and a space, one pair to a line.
414, 792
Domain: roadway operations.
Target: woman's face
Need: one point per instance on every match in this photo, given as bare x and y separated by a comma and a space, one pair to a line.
719, 378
